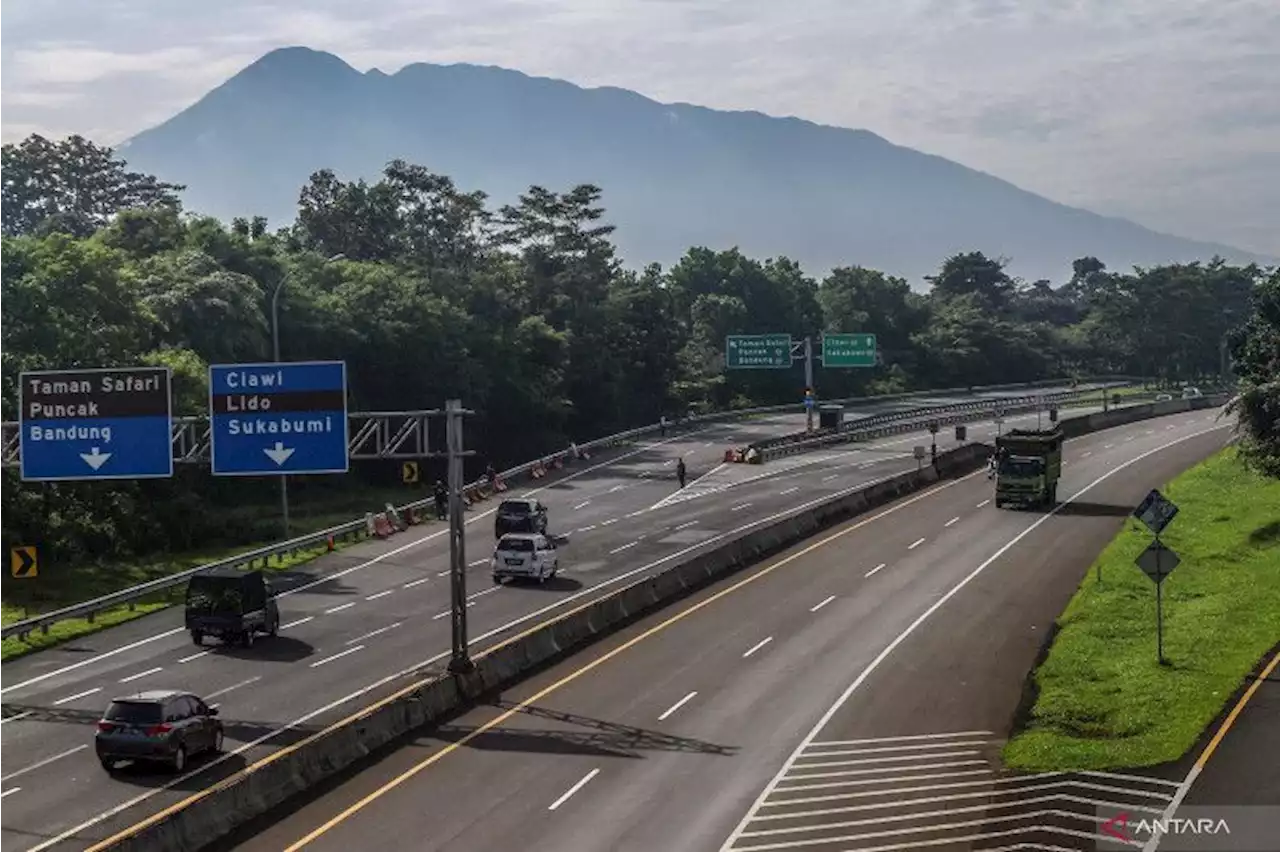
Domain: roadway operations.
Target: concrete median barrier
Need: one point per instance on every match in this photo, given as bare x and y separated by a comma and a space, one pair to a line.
255, 790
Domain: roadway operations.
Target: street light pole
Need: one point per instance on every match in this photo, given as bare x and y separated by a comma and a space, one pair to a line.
275, 357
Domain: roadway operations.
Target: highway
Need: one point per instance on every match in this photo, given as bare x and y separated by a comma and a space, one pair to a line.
363, 620
851, 693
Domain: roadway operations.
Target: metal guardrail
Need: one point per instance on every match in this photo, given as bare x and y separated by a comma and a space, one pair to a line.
944, 415
359, 528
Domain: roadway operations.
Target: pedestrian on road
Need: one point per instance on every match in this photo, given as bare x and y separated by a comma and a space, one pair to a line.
663, 424
442, 500
681, 473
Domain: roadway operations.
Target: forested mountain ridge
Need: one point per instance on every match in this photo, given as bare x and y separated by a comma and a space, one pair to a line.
675, 175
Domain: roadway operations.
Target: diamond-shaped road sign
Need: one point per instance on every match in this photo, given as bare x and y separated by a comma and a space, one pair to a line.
1156, 511
1157, 561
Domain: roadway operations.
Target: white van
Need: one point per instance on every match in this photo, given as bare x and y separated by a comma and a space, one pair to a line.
527, 555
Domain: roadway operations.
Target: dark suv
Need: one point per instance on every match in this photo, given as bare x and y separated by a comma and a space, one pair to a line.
524, 515
164, 726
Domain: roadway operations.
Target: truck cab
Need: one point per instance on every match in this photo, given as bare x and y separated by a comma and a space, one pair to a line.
1029, 465
231, 604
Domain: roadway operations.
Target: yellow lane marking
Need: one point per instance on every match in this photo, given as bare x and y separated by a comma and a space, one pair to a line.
572, 676
1235, 712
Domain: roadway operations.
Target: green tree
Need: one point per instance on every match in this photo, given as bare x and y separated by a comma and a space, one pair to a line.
1255, 352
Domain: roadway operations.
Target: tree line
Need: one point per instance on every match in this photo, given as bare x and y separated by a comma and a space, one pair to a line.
525, 311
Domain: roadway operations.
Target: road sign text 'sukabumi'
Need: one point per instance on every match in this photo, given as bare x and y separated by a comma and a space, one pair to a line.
278, 418
96, 424
848, 350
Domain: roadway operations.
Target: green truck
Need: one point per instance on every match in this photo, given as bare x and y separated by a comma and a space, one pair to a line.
1028, 467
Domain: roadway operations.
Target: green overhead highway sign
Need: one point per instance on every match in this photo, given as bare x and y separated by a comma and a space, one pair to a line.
758, 352
849, 350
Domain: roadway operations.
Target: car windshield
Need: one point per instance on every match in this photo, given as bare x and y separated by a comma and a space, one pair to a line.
515, 507
519, 545
1021, 467
134, 712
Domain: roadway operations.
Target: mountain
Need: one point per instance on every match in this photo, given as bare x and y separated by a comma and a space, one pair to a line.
674, 175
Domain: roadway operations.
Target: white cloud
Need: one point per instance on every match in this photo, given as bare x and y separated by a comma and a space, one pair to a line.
1163, 110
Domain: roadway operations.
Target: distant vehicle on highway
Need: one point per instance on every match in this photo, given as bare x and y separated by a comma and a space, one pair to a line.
159, 726
526, 555
231, 604
523, 514
1190, 392
1164, 397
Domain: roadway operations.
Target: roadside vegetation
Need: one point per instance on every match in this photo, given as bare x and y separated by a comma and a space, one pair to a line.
1104, 701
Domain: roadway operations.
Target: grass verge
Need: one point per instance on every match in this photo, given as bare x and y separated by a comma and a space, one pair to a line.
1103, 700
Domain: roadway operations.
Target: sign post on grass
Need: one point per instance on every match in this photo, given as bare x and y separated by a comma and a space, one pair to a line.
1156, 512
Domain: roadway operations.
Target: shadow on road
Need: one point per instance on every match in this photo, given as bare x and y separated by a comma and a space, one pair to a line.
268, 649
583, 735
1095, 510
555, 584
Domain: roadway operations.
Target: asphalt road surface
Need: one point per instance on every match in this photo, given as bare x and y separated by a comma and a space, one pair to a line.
362, 621
852, 693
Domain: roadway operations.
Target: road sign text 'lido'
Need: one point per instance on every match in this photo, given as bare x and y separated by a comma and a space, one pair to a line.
278, 418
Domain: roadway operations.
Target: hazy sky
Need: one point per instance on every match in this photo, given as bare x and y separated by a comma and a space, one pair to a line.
1165, 111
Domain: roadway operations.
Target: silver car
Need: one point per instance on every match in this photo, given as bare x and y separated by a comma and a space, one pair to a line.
525, 555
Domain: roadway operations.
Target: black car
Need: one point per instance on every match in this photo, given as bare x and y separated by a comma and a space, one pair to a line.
232, 605
525, 515
162, 726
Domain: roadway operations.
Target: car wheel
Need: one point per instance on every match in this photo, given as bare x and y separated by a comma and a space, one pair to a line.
217, 741
197, 637
108, 764
497, 581
248, 638
275, 628
179, 759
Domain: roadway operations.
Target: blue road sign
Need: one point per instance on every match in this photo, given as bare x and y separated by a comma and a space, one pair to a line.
283, 418
96, 424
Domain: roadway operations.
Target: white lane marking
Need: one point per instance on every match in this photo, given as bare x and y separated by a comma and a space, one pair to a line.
868, 740
373, 633
488, 591
687, 524
191, 657
1086, 454
623, 547
417, 668
739, 507
615, 488
17, 717
866, 465
983, 503
1108, 446
303, 620
9, 792
756, 647
440, 615
580, 505
339, 608
444, 573
227, 689
913, 545
337, 655
382, 594
610, 521
792, 490
952, 521
45, 762
381, 557
477, 562
874, 570
78, 695
911, 628
587, 528
830, 477
821, 604
674, 707
141, 674
575, 788
419, 582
